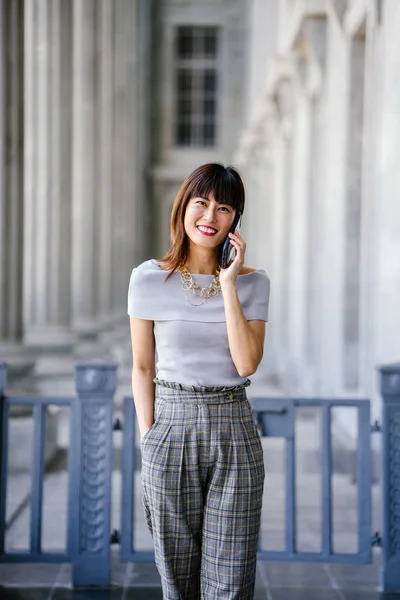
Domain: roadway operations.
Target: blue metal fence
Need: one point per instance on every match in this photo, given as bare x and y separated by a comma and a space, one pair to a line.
34, 554
90, 469
390, 392
89, 472
276, 418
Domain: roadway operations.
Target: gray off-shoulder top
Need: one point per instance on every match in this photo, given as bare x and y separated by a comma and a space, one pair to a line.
192, 342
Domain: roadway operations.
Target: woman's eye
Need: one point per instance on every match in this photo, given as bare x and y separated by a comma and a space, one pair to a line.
224, 208
200, 202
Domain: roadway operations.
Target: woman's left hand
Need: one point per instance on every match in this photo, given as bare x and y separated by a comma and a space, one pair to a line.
228, 275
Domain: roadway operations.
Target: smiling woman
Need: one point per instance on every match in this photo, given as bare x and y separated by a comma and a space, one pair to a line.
198, 438
209, 197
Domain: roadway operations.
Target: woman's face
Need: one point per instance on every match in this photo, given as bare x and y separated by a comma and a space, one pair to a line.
207, 223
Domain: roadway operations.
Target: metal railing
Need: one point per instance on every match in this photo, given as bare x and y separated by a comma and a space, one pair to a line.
276, 418
34, 554
90, 469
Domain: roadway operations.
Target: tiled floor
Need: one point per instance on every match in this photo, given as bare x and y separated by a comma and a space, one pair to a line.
140, 581
155, 594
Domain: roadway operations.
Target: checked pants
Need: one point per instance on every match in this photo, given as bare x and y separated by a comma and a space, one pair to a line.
202, 485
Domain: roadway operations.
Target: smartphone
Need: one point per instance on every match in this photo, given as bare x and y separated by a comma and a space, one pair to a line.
228, 248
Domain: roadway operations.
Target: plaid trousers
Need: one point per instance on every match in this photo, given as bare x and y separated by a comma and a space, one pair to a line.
202, 486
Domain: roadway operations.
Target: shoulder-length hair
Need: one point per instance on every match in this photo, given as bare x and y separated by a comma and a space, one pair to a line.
224, 183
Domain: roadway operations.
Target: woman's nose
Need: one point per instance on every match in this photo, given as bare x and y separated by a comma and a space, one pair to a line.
210, 214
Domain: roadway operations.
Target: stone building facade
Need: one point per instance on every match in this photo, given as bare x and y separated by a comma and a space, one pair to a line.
107, 105
320, 158
199, 95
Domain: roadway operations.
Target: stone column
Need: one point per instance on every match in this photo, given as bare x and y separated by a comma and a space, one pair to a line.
105, 155
311, 70
283, 217
128, 144
19, 360
46, 195
131, 133
134, 33
277, 275
121, 164
296, 223
353, 216
266, 247
85, 214
386, 270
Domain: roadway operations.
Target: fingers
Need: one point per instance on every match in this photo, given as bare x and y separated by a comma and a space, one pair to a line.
237, 240
240, 245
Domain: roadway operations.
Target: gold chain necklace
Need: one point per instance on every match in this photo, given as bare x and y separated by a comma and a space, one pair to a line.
201, 292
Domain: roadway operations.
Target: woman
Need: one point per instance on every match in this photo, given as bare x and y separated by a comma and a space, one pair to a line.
202, 459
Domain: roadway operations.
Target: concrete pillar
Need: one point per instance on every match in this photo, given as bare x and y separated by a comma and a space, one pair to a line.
296, 222
331, 230
277, 274
46, 197
132, 147
266, 248
19, 360
351, 333
85, 214
145, 90
315, 262
105, 155
284, 218
125, 152
119, 158
370, 223
387, 275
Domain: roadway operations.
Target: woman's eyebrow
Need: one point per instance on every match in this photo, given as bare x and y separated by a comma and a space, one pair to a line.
208, 200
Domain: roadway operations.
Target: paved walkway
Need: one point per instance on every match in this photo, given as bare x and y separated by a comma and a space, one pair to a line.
140, 581
275, 581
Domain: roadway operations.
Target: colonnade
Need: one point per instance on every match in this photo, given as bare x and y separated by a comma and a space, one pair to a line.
72, 150
318, 154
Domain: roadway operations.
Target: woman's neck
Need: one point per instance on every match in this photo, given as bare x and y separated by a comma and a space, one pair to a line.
202, 265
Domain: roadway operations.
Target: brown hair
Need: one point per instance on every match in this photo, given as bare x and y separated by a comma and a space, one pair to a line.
224, 183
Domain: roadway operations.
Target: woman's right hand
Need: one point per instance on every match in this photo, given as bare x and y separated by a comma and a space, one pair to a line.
142, 434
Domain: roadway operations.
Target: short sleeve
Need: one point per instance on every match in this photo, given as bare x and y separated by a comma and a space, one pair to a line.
140, 293
132, 292
257, 307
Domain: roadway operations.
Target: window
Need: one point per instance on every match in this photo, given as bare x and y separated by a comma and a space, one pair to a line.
196, 85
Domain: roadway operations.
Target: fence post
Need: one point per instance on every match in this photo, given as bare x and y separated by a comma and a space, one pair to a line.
390, 391
3, 453
91, 469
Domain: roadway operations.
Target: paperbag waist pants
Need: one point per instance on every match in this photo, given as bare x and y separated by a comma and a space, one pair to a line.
202, 482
